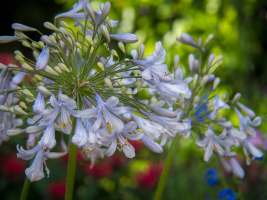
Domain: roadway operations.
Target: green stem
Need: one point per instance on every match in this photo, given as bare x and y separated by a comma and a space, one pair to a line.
25, 189
167, 167
72, 158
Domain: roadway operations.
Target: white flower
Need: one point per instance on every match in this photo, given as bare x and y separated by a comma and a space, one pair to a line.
246, 123
214, 143
249, 148
48, 140
80, 136
236, 168
39, 104
65, 107
125, 37
217, 105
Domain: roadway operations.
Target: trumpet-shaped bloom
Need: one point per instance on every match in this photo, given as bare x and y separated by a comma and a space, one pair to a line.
80, 136
48, 140
39, 104
214, 143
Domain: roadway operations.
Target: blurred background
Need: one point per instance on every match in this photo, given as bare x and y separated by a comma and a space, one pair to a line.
239, 28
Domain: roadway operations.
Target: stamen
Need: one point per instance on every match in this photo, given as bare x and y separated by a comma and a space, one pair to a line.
63, 124
69, 122
109, 128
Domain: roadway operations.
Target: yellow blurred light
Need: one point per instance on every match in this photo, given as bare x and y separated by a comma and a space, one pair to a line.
125, 181
107, 184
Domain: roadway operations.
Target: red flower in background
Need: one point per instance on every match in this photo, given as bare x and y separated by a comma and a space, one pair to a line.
79, 157
117, 161
14, 168
99, 170
7, 58
57, 190
150, 178
137, 144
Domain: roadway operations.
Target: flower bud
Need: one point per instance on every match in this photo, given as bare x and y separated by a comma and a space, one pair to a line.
52, 37
123, 89
42, 59
63, 24
118, 75
58, 69
104, 31
26, 66
188, 40
196, 99
141, 50
216, 82
14, 132
195, 80
139, 84
160, 103
23, 105
176, 61
41, 44
119, 82
224, 97
63, 67
21, 34
127, 116
2, 75
121, 46
209, 38
191, 59
50, 70
246, 110
101, 66
27, 93
17, 52
89, 10
29, 100
18, 110
89, 40
19, 58
4, 108
78, 45
204, 80
108, 83
44, 91
210, 60
7, 39
47, 40
105, 12
129, 92
63, 97
196, 66
236, 98
80, 32
51, 26
114, 52
63, 31
21, 27
89, 26
125, 37
35, 45
35, 129
135, 72
39, 78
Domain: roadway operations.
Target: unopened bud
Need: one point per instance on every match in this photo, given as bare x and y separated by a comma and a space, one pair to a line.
236, 98
135, 72
17, 52
139, 84
246, 110
114, 52
125, 38
119, 82
26, 44
216, 82
121, 46
196, 99
204, 80
26, 66
52, 37
118, 75
224, 97
188, 40
14, 132
50, 70
63, 97
89, 40
7, 39
27, 93
23, 105
11, 110
35, 45
44, 91
210, 60
105, 32
101, 66
35, 129
63, 67
18, 110
64, 24
127, 116
105, 12
176, 61
108, 83
21, 34
19, 58
58, 69
80, 32
4, 108
209, 38
35, 54
195, 80
41, 44
89, 10
129, 92
47, 40
29, 99
63, 31
123, 89
51, 26
141, 51
39, 78
196, 66
89, 26
21, 27
78, 45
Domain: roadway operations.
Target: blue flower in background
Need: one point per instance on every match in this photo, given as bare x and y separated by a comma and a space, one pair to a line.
228, 194
211, 177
